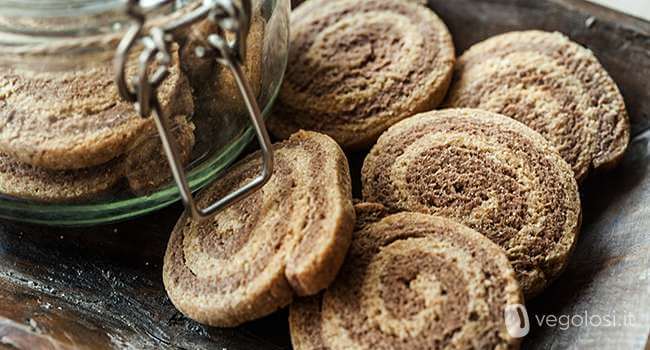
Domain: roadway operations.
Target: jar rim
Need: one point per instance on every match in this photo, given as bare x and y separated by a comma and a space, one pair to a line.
69, 33
68, 8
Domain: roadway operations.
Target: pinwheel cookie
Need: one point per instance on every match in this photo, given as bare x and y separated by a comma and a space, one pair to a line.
489, 172
289, 238
553, 85
357, 67
411, 281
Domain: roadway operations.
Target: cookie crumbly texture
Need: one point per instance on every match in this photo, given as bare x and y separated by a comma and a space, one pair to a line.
73, 120
289, 238
146, 165
411, 281
357, 67
25, 181
553, 85
489, 172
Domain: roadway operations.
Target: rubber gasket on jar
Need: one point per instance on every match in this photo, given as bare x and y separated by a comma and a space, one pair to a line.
288, 238
553, 85
411, 281
75, 119
357, 67
489, 172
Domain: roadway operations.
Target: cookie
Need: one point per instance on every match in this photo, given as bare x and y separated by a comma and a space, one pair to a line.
411, 281
554, 86
216, 89
489, 172
146, 165
357, 67
289, 238
25, 181
75, 119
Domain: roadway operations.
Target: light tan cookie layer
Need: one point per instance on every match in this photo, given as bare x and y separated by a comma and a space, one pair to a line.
75, 119
489, 172
554, 86
24, 181
288, 238
411, 281
357, 67
146, 165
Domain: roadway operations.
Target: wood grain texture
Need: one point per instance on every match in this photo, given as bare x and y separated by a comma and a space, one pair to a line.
101, 287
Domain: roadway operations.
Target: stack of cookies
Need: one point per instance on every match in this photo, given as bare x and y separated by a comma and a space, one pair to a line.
464, 210
67, 136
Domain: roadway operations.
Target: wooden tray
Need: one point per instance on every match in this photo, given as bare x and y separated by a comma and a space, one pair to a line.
101, 288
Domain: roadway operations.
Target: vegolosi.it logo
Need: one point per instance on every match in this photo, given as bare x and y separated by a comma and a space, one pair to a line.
517, 322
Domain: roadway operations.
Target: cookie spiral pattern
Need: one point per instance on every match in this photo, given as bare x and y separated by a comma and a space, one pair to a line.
489, 172
357, 67
289, 238
554, 86
412, 281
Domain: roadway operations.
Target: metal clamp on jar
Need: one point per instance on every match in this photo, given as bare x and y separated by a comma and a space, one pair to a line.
228, 15
112, 109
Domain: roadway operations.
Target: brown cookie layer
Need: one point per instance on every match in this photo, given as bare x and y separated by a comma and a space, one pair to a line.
489, 172
146, 165
75, 119
554, 86
25, 181
357, 67
411, 281
288, 238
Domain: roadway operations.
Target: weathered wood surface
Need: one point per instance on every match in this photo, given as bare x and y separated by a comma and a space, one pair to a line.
101, 288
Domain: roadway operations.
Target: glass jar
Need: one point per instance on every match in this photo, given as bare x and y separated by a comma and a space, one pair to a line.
72, 152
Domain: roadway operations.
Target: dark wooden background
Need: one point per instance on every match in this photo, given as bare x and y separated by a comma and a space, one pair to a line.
101, 287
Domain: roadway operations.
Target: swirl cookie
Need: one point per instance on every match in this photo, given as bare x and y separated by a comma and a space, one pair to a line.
289, 238
25, 181
489, 172
72, 120
357, 67
411, 281
554, 86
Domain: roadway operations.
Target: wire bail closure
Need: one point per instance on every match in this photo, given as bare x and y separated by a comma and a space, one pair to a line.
228, 15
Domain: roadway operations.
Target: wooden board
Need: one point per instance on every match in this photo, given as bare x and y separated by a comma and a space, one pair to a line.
101, 288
